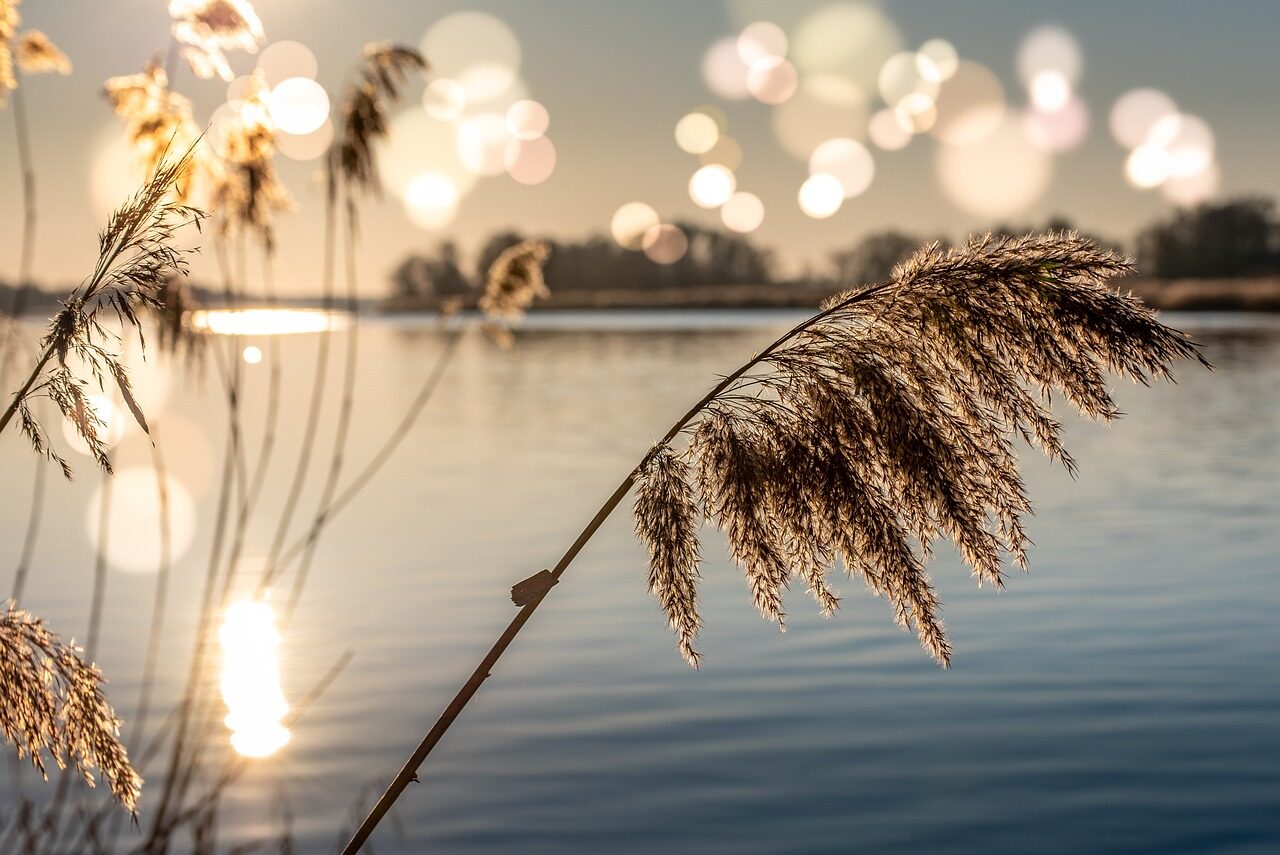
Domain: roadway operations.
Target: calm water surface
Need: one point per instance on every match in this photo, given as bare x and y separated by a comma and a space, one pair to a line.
1123, 697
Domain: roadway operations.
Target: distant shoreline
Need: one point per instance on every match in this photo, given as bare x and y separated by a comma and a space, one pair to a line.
1184, 295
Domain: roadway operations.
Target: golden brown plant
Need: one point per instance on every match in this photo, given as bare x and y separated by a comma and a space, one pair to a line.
136, 256
37, 55
514, 281
9, 20
384, 71
157, 120
887, 422
208, 28
246, 189
53, 704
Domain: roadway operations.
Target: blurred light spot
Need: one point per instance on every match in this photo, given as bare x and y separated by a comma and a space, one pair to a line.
848, 39
1049, 48
133, 520
916, 113
444, 99
824, 107
115, 172
970, 105
697, 133
727, 152
999, 175
251, 679
711, 186
1050, 91
281, 60
482, 143
630, 222
298, 105
1189, 141
268, 321
723, 70
307, 146
414, 145
528, 120
240, 87
477, 50
901, 76
112, 427
252, 355
937, 59
530, 161
761, 40
431, 200
1147, 166
848, 160
1192, 189
887, 132
665, 244
772, 80
821, 196
1136, 112
744, 212
1060, 130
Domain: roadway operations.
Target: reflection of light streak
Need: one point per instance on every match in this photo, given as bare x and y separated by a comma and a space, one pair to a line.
268, 321
251, 679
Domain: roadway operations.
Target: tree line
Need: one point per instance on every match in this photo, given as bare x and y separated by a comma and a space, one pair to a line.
1235, 238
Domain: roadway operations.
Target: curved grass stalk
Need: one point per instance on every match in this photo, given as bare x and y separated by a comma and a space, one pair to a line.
884, 418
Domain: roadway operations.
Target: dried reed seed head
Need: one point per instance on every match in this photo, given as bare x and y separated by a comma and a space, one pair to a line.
175, 305
9, 20
887, 421
54, 707
247, 191
37, 55
206, 29
667, 521
515, 280
384, 70
157, 121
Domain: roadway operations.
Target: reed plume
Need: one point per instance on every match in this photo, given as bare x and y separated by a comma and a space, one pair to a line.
206, 29
38, 55
514, 281
384, 71
157, 121
869, 431
136, 256
9, 20
54, 705
247, 191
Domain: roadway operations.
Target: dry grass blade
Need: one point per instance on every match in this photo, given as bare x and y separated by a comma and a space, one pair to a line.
887, 421
54, 705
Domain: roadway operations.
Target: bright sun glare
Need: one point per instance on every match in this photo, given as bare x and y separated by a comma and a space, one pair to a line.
251, 679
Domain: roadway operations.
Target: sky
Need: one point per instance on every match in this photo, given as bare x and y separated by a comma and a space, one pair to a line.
617, 76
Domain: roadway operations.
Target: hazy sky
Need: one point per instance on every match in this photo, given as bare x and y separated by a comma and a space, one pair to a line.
616, 76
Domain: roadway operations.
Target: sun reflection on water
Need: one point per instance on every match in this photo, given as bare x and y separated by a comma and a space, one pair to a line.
251, 679
269, 321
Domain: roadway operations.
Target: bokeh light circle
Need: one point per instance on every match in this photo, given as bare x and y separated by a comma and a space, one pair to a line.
415, 145
848, 160
821, 196
530, 161
1049, 48
1058, 131
284, 59
937, 59
901, 75
431, 200
133, 520
306, 146
727, 152
298, 105
444, 99
825, 106
1136, 112
743, 213
846, 39
711, 186
631, 222
482, 143
970, 105
1000, 175
772, 80
697, 133
723, 70
665, 244
477, 50
887, 132
528, 119
761, 40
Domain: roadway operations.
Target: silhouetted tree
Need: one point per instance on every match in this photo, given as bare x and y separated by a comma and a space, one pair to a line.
1235, 238
436, 275
874, 257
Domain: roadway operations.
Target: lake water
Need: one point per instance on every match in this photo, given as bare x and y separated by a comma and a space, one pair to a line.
1123, 697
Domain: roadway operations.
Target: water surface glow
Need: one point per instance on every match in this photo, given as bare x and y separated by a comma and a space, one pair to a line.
269, 321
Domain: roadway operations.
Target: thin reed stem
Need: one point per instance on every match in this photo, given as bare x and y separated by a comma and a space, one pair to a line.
409, 771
